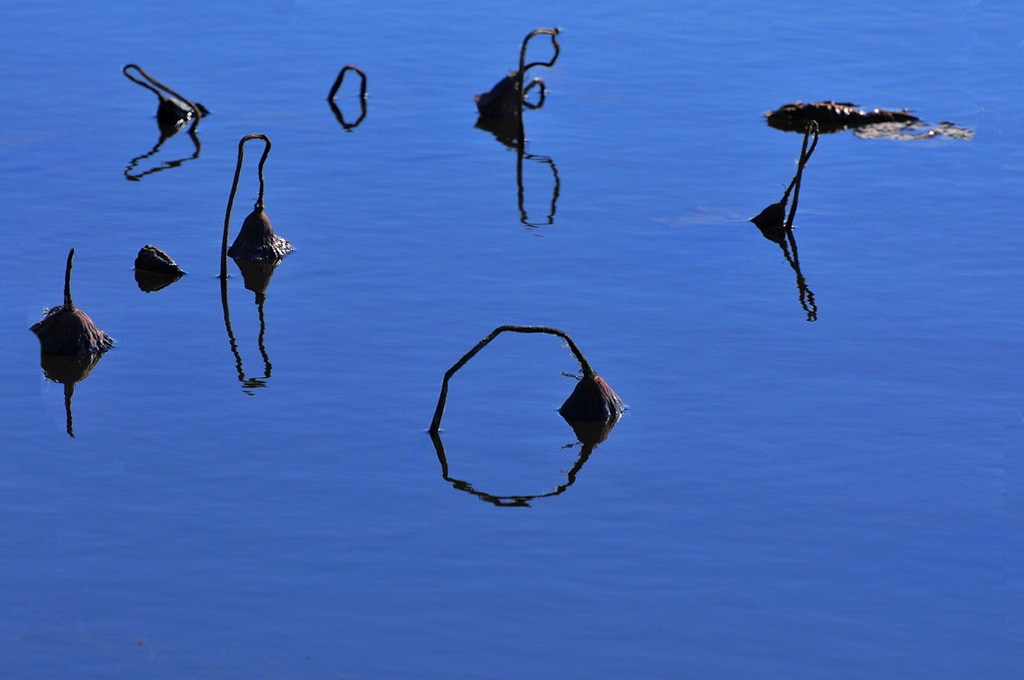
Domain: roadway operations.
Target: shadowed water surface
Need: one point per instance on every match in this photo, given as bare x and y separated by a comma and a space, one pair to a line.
784, 497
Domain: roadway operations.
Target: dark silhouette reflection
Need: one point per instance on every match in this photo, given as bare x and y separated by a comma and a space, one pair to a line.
362, 97
778, 228
588, 435
831, 116
172, 114
151, 282
256, 276
69, 371
132, 175
510, 132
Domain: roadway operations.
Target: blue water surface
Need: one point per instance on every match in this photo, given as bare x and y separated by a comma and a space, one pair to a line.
819, 472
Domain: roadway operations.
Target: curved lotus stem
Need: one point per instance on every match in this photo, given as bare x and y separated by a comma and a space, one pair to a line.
196, 113
805, 156
588, 372
234, 188
341, 77
553, 32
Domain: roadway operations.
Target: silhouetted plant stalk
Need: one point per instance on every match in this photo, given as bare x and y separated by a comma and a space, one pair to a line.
256, 241
506, 98
169, 114
362, 96
595, 387
805, 156
341, 77
68, 331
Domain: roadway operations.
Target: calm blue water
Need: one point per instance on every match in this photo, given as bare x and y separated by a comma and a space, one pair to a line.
784, 498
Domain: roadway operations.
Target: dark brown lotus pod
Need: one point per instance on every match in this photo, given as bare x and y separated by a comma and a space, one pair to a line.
503, 100
68, 331
152, 259
772, 222
592, 400
257, 240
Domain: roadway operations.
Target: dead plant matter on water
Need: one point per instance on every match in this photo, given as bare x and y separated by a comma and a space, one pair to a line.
507, 98
362, 97
256, 240
592, 399
66, 330
834, 116
778, 228
152, 259
172, 112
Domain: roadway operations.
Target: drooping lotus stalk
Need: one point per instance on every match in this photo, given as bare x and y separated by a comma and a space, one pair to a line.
256, 240
172, 112
591, 400
505, 99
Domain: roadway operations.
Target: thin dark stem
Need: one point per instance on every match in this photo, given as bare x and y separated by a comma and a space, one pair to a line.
234, 188
146, 85
523, 66
341, 77
588, 372
196, 115
805, 156
69, 304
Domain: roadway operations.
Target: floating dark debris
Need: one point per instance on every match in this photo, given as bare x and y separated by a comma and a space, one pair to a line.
172, 112
152, 259
507, 98
256, 240
874, 124
362, 97
68, 331
155, 270
592, 400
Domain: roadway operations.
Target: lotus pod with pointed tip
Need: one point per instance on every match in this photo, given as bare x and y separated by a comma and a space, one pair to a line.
67, 331
257, 240
772, 222
592, 399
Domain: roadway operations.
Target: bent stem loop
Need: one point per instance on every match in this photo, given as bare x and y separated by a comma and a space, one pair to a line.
234, 188
341, 77
588, 372
152, 86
